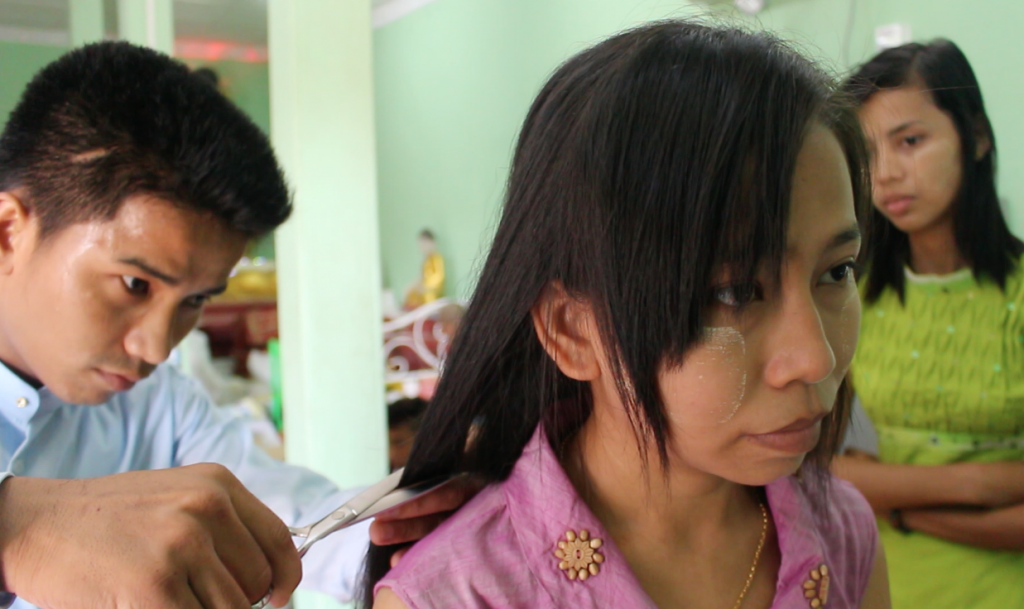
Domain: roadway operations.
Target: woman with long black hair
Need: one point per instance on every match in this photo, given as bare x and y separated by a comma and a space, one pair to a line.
940, 365
653, 363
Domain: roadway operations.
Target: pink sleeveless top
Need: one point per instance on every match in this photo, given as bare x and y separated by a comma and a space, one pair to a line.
499, 549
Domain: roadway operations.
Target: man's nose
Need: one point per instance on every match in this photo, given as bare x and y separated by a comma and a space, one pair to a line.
151, 339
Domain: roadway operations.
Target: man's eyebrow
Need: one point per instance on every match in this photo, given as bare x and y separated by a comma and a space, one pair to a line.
217, 291
902, 126
850, 234
149, 269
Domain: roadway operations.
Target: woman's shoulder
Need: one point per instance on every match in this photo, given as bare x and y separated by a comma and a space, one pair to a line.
473, 559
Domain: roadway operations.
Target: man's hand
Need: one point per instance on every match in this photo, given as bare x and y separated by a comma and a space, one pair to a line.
415, 520
184, 537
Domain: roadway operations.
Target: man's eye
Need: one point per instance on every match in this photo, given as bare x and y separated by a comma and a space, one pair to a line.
197, 301
840, 273
139, 287
737, 295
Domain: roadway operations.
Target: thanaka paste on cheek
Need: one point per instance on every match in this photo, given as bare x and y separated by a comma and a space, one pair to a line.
716, 367
849, 328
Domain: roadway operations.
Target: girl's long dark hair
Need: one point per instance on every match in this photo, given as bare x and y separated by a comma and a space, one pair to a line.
981, 233
645, 163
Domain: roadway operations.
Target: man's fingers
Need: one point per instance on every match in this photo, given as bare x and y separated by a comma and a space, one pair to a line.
243, 558
215, 587
397, 556
275, 543
448, 498
405, 531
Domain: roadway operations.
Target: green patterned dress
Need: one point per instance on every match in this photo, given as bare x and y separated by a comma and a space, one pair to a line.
942, 379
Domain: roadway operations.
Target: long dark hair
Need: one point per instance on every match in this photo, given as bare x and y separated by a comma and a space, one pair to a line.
645, 163
981, 233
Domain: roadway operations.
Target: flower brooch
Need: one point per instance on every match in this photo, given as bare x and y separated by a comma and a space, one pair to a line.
578, 555
816, 588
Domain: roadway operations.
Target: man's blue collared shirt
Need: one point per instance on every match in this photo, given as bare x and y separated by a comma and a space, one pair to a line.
165, 421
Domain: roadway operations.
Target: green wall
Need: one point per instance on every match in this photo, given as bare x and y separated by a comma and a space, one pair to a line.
455, 78
18, 64
246, 84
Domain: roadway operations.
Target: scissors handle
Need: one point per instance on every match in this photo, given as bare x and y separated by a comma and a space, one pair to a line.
263, 602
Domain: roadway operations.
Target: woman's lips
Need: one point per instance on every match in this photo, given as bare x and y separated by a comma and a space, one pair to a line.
799, 438
898, 206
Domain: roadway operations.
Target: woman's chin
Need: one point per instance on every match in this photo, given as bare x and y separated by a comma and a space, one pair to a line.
760, 473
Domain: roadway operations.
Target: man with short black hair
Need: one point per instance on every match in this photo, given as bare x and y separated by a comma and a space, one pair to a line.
129, 188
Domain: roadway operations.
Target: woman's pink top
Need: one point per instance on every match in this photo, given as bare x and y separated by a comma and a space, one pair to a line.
499, 549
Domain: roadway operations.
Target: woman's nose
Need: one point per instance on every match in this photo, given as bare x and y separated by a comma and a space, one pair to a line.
800, 349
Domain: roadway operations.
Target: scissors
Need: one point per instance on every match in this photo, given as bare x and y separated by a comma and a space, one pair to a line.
383, 495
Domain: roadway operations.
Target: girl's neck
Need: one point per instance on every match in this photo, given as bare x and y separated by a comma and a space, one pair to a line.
681, 507
688, 536
933, 251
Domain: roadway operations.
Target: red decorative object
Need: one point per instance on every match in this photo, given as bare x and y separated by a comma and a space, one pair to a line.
235, 328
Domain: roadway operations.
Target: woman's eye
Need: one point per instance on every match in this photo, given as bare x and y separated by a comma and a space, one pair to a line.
840, 273
912, 140
139, 287
737, 295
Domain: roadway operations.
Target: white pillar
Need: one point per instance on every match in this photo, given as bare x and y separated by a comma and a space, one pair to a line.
86, 19
147, 22
328, 253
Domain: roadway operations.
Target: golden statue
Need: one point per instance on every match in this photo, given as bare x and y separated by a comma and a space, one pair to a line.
430, 286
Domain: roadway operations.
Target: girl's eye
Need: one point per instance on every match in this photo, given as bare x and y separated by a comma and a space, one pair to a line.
737, 295
912, 140
840, 273
136, 286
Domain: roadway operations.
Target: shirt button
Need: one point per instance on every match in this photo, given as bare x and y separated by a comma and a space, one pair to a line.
22, 402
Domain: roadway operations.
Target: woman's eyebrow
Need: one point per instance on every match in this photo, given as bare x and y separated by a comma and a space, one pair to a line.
840, 239
903, 126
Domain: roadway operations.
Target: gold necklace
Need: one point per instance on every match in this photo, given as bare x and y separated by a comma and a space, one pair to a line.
757, 555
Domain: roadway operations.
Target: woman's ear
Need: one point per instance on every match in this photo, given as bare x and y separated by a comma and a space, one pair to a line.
982, 138
566, 327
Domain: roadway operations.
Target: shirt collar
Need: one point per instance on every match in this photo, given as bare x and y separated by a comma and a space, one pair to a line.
796, 526
19, 401
543, 505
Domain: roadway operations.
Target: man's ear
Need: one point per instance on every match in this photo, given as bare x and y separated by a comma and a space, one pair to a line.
17, 231
567, 329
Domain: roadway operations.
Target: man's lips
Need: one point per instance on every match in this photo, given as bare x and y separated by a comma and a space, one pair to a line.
119, 381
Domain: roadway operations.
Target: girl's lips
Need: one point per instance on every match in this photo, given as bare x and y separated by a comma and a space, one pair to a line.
799, 437
800, 441
898, 206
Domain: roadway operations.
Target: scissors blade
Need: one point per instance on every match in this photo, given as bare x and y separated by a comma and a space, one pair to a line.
351, 509
404, 495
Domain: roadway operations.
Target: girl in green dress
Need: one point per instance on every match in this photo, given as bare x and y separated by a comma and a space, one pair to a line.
940, 362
